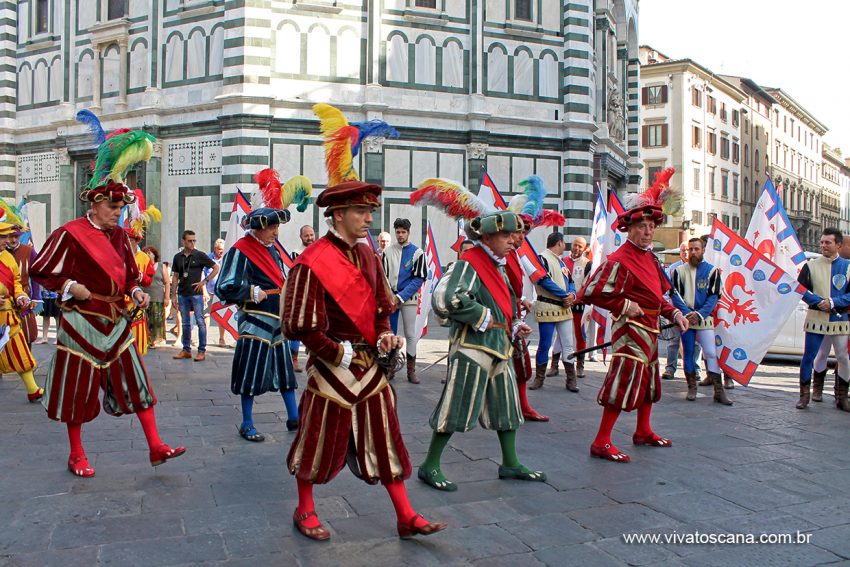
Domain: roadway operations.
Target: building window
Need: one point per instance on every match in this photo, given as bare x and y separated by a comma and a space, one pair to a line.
712, 143
522, 10
426, 4
711, 182
654, 136
42, 14
651, 171
735, 189
725, 219
711, 217
746, 155
696, 217
736, 152
696, 136
723, 116
736, 120
696, 97
724, 185
654, 95
724, 147
116, 9
697, 175
710, 104
757, 128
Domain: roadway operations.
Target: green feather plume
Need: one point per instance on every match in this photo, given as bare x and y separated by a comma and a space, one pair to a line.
117, 154
297, 190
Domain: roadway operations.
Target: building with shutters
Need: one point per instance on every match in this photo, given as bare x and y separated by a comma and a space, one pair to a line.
691, 120
519, 87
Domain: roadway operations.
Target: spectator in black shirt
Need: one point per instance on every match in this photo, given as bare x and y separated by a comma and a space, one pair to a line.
188, 281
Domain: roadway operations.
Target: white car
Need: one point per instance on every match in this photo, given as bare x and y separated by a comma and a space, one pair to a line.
791, 339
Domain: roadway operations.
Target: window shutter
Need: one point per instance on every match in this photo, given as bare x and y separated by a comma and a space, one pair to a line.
645, 136
663, 134
663, 93
644, 95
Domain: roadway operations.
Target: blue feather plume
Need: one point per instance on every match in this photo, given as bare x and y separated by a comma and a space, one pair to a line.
88, 118
533, 188
376, 128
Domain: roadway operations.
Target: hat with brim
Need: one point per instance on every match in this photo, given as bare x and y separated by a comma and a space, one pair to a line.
500, 221
349, 194
265, 217
638, 214
19, 230
7, 229
111, 191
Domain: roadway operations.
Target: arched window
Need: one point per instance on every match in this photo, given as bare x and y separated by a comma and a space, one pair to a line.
39, 83
348, 54
426, 61
196, 53
288, 49
397, 59
318, 51
497, 69
523, 73
25, 85
548, 76
452, 64
746, 155
216, 62
174, 58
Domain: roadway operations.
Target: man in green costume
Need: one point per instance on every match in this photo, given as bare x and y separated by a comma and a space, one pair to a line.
481, 384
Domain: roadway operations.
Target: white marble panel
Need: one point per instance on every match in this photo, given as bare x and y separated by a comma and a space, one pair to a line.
314, 165
287, 159
111, 69
85, 70
318, 52
451, 167
216, 62
37, 215
522, 168
196, 55
57, 82
139, 66
397, 59
452, 65
523, 74
547, 170
288, 49
426, 62
197, 217
396, 168
424, 166
499, 168
348, 54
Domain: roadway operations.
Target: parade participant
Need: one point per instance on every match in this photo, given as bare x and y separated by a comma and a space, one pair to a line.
697, 288
252, 278
216, 256
15, 356
404, 265
577, 263
555, 296
481, 384
89, 262
828, 297
187, 291
337, 305
630, 284
521, 356
160, 293
145, 265
24, 255
307, 236
384, 240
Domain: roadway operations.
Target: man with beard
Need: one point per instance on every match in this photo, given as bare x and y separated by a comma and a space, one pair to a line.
404, 265
697, 287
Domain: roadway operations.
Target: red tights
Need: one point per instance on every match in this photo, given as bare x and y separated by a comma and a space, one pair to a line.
609, 418
146, 418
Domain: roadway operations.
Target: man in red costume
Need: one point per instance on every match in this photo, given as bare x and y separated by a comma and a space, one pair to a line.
25, 254
521, 356
89, 262
337, 305
631, 284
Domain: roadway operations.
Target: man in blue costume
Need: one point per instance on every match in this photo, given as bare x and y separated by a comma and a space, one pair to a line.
404, 264
697, 286
828, 296
252, 277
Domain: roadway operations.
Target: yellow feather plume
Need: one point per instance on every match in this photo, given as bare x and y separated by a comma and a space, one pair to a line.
297, 190
140, 151
339, 137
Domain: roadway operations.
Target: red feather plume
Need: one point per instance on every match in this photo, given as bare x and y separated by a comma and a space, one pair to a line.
269, 181
550, 218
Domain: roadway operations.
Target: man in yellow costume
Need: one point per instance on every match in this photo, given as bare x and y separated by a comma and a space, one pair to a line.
16, 355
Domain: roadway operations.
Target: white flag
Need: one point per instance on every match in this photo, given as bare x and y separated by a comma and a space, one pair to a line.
757, 298
435, 272
771, 233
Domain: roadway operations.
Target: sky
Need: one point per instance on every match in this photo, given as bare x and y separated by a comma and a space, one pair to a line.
801, 47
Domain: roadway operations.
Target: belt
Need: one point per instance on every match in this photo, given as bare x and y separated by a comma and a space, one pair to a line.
557, 302
107, 298
275, 291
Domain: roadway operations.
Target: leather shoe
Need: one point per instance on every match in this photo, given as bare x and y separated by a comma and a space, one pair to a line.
183, 354
79, 466
35, 396
319, 533
409, 528
163, 453
651, 440
606, 452
532, 415
202, 356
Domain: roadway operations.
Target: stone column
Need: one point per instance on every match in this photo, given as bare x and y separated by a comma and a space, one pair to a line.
476, 160
121, 105
153, 193
95, 82
373, 172
68, 193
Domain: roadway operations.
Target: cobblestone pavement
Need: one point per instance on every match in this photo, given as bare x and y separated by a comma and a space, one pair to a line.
759, 467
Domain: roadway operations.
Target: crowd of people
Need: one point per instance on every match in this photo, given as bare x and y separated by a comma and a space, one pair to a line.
353, 309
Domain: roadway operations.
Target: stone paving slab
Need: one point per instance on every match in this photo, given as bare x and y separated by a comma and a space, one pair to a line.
760, 466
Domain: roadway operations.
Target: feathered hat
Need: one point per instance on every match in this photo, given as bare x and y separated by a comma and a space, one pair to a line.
655, 203
529, 205
11, 215
140, 215
114, 157
343, 140
450, 197
270, 199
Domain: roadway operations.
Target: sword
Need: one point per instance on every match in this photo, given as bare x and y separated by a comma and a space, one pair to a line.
609, 343
435, 363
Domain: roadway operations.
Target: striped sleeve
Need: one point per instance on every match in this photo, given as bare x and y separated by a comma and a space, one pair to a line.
304, 316
54, 264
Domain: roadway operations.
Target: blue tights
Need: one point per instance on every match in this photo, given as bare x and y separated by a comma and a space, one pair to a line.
289, 402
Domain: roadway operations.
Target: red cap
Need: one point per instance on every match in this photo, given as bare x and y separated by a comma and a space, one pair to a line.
112, 191
349, 194
638, 214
